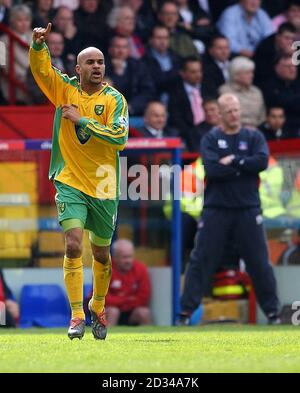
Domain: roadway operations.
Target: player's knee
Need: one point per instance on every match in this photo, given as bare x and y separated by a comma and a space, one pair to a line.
143, 315
102, 255
73, 248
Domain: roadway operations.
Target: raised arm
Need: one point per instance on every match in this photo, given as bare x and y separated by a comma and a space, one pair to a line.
50, 80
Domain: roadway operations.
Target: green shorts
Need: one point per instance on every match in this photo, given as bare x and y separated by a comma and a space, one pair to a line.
96, 215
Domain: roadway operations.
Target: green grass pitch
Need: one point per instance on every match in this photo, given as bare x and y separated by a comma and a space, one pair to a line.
214, 348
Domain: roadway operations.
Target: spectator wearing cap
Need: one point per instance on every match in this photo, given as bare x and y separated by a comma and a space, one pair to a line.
250, 97
245, 25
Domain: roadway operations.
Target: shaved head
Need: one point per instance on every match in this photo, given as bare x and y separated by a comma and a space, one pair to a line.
91, 69
230, 110
88, 52
226, 99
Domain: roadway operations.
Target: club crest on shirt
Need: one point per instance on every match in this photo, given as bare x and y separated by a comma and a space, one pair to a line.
61, 206
99, 109
82, 135
243, 145
222, 144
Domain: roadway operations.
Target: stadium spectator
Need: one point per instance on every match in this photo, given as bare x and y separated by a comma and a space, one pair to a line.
245, 25
274, 127
42, 13
20, 23
271, 190
155, 119
162, 63
283, 90
186, 103
64, 23
90, 19
180, 42
216, 64
271, 48
291, 257
129, 76
195, 21
250, 96
127, 302
233, 157
71, 4
145, 17
212, 118
122, 21
12, 312
291, 15
4, 11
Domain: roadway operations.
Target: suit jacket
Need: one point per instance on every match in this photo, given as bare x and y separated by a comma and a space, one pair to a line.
135, 84
163, 80
167, 132
213, 77
181, 116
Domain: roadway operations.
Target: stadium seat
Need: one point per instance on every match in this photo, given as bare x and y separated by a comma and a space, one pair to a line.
43, 306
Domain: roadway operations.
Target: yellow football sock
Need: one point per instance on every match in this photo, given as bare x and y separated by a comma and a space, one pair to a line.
101, 280
73, 276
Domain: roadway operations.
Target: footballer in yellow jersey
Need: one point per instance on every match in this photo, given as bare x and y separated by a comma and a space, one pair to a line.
90, 128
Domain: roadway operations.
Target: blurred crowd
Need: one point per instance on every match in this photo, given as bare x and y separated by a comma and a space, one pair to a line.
172, 59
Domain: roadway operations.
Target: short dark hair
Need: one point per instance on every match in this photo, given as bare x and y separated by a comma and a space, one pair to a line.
281, 57
158, 26
190, 59
272, 108
292, 3
287, 26
163, 3
214, 38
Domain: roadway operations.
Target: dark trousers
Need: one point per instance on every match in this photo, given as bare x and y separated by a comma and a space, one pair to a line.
214, 229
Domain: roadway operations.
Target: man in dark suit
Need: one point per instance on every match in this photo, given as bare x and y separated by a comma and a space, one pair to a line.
162, 63
283, 90
186, 103
216, 64
271, 48
155, 118
129, 76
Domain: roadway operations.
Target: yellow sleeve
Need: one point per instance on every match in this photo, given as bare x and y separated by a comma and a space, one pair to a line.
115, 131
51, 81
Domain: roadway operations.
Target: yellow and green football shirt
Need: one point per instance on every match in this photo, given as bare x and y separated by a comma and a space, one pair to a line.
86, 156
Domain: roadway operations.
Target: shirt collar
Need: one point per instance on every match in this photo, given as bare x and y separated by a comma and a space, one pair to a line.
154, 132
